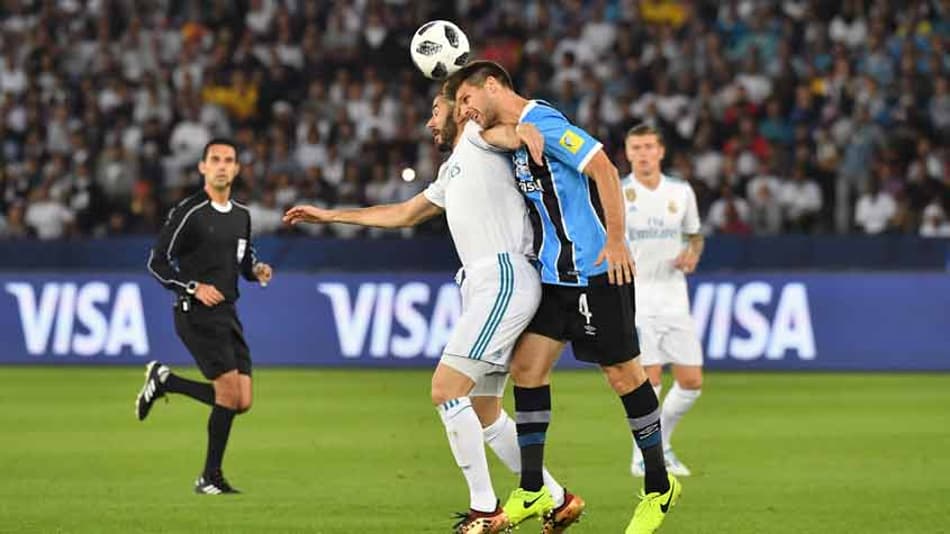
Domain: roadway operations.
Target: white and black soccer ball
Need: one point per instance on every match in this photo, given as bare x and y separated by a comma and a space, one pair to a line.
439, 48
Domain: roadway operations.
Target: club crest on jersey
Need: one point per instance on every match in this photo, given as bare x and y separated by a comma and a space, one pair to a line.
671, 207
571, 141
454, 170
241, 248
631, 194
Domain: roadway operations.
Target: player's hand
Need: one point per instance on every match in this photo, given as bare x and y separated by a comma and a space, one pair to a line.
533, 141
686, 261
263, 272
620, 267
208, 295
310, 214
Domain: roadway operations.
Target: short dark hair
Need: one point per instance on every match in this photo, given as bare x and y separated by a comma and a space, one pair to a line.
219, 141
644, 129
476, 73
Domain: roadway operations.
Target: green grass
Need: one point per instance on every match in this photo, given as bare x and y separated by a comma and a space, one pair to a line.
362, 452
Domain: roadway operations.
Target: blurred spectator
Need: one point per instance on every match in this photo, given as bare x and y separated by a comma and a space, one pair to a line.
801, 201
764, 193
728, 214
14, 225
875, 210
111, 111
265, 214
46, 217
935, 222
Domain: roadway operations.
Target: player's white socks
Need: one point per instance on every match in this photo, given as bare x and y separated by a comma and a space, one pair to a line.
677, 402
465, 439
502, 437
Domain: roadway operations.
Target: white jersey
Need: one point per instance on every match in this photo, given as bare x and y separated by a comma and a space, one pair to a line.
486, 212
657, 221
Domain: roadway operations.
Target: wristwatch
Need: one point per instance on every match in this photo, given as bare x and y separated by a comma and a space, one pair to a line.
191, 287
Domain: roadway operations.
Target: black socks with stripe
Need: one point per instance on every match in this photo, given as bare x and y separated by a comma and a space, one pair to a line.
643, 414
532, 415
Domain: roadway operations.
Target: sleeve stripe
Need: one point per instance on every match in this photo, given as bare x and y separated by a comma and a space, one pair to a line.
151, 256
589, 156
171, 244
527, 109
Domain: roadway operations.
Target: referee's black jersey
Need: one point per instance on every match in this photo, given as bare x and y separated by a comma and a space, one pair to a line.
205, 243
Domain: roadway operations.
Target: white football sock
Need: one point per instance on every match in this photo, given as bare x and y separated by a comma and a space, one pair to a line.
502, 437
637, 455
465, 439
677, 402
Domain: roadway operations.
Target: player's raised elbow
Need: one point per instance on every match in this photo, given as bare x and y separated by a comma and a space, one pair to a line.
416, 211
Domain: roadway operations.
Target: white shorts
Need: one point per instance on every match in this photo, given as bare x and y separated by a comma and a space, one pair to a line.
669, 339
490, 379
499, 298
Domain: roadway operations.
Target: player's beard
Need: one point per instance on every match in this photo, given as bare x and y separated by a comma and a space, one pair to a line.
489, 117
448, 134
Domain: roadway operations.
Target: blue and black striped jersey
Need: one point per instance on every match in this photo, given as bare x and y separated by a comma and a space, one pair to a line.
565, 210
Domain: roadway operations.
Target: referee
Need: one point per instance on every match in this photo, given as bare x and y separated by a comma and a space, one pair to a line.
201, 249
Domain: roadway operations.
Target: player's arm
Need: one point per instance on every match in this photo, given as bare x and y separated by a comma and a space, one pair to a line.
252, 269
409, 213
511, 137
165, 250
687, 260
620, 267
689, 257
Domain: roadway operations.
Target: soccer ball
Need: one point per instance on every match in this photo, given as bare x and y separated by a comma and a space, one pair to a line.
439, 48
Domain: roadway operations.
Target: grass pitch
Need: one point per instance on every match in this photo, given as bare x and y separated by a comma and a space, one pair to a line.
364, 452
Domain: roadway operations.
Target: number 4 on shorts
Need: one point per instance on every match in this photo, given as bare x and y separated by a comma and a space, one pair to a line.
583, 308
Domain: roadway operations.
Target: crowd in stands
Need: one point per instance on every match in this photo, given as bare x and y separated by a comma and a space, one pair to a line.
794, 116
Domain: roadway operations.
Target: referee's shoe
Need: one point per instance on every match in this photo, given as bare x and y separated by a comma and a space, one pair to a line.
213, 484
152, 390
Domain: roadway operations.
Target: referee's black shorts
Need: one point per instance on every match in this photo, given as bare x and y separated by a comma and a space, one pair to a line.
214, 337
598, 320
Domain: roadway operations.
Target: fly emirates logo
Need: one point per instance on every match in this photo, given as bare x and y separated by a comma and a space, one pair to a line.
83, 319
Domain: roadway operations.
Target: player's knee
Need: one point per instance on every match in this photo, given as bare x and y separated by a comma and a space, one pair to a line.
621, 384
229, 402
227, 393
440, 394
625, 377
244, 406
527, 373
487, 409
691, 382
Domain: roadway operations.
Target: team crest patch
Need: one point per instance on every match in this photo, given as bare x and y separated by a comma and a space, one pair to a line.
571, 141
631, 194
241, 248
672, 207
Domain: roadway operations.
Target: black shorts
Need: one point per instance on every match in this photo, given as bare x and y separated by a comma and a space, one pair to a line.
214, 337
598, 320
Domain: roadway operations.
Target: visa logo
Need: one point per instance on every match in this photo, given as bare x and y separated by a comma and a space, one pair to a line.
754, 320
393, 319
86, 319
